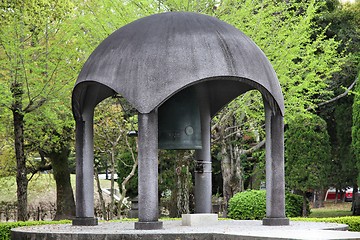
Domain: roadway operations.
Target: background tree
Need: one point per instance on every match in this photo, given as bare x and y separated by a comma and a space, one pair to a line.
176, 181
341, 22
111, 142
237, 134
356, 129
304, 60
307, 152
50, 135
32, 47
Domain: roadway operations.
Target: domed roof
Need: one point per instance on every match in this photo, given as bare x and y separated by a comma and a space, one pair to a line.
151, 59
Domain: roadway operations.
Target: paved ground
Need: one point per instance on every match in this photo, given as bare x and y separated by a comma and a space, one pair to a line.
227, 229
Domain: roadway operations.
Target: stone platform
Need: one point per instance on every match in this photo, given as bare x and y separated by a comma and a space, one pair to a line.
226, 229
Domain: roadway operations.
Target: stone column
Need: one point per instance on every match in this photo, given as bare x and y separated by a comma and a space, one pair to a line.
275, 179
148, 172
85, 170
203, 175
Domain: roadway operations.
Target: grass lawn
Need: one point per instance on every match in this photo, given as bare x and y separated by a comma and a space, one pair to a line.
331, 209
41, 188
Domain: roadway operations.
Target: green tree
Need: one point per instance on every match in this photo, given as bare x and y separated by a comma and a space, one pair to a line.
307, 152
356, 128
114, 149
50, 134
33, 61
342, 21
303, 57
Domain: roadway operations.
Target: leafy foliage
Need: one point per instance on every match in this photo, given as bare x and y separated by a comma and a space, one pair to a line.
353, 222
304, 58
298, 50
342, 21
251, 205
307, 153
294, 205
37, 64
248, 205
356, 128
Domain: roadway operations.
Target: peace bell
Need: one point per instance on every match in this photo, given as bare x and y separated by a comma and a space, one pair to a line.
179, 122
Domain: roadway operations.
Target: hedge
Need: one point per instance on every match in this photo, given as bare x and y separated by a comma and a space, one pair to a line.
352, 221
5, 228
251, 205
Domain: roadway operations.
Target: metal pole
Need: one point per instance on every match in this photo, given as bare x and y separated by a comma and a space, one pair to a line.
203, 175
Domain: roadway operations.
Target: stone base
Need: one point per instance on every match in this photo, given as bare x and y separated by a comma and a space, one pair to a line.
223, 230
78, 221
148, 225
198, 219
276, 221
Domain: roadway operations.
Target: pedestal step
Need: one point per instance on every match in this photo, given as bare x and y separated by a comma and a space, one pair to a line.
200, 219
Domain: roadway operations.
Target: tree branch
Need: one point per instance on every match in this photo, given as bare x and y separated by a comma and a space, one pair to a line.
338, 96
34, 105
254, 148
33, 171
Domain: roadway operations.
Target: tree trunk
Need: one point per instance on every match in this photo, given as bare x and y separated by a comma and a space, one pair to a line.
226, 175
304, 208
238, 180
65, 204
21, 178
129, 176
316, 199
101, 197
355, 190
322, 197
112, 183
356, 204
336, 196
183, 180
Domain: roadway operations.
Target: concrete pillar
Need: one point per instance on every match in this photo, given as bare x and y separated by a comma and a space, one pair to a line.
148, 172
203, 175
275, 179
85, 170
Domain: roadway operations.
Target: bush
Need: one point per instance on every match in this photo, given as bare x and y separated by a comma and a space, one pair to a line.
251, 205
5, 228
293, 205
352, 221
248, 205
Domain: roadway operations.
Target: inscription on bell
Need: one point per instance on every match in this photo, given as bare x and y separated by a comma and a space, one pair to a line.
174, 135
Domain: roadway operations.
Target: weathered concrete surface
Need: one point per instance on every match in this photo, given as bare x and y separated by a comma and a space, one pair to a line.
198, 219
228, 229
148, 172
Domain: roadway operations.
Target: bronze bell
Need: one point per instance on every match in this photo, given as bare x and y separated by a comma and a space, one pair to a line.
179, 122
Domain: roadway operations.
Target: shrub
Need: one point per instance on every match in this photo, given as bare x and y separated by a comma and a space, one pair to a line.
293, 205
352, 221
251, 205
248, 205
5, 228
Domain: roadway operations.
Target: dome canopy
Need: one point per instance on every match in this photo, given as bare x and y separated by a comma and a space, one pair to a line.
153, 58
